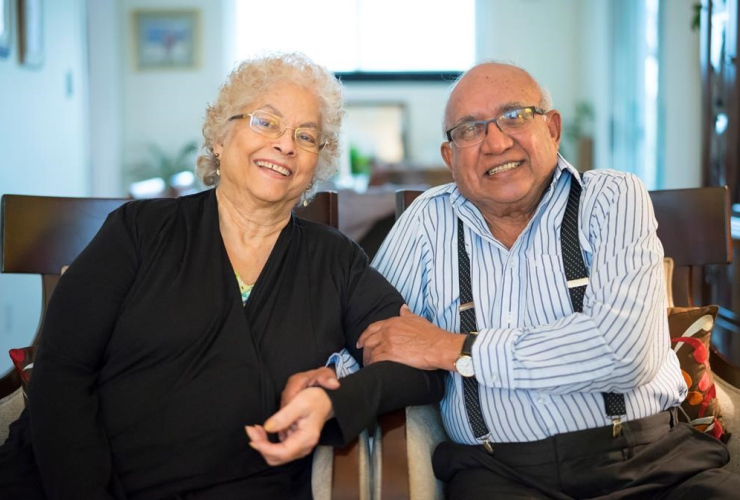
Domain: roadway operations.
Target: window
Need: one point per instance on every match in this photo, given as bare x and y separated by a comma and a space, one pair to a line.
350, 36
635, 70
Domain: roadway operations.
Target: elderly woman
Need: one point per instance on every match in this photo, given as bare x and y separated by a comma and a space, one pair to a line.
184, 318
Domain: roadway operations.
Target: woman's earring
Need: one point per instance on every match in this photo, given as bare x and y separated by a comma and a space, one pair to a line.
218, 172
304, 196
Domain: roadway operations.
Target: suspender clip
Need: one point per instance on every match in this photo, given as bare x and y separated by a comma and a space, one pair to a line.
616, 426
487, 445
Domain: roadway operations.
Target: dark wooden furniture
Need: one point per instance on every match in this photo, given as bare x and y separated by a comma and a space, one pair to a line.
694, 227
41, 234
719, 44
720, 155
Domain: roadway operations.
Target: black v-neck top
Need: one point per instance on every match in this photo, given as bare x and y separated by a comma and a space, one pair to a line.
150, 367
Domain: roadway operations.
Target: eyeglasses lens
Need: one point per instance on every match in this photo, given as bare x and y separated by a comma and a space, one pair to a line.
473, 133
272, 126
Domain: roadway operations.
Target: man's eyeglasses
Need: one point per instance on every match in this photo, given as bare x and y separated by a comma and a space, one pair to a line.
472, 133
264, 123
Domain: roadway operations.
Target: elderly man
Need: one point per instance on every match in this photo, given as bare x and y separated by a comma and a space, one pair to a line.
564, 384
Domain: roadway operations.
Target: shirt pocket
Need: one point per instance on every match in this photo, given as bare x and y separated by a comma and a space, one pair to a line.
547, 292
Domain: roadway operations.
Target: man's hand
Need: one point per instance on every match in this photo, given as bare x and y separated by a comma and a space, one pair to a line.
411, 340
320, 377
304, 417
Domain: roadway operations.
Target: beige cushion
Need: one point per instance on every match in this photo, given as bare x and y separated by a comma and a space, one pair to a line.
668, 269
11, 407
321, 473
424, 431
424, 428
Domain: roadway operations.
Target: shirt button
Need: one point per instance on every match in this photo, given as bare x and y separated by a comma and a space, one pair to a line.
541, 400
509, 318
494, 378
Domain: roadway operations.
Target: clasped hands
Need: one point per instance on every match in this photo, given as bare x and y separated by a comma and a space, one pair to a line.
305, 407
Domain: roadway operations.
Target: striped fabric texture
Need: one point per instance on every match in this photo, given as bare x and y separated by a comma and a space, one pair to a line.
542, 368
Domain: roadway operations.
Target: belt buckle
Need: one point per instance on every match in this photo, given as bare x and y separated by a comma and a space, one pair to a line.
616, 426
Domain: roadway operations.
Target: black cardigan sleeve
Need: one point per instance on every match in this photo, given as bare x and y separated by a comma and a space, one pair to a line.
69, 442
380, 387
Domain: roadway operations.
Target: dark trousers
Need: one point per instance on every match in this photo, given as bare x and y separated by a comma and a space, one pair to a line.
651, 459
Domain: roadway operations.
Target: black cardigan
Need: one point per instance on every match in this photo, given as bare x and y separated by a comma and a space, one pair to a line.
149, 366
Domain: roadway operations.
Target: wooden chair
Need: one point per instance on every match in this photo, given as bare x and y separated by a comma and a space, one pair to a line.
694, 227
41, 234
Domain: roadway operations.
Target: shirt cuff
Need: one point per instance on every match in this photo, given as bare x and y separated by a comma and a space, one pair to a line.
493, 358
344, 363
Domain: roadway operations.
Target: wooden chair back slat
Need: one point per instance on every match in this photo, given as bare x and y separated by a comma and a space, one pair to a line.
323, 209
40, 234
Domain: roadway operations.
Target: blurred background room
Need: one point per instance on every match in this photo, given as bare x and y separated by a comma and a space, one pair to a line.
106, 98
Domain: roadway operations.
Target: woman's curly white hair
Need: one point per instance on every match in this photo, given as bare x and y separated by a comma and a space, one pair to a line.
254, 77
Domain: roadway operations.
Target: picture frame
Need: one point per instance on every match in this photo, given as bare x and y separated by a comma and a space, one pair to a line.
31, 33
5, 28
166, 39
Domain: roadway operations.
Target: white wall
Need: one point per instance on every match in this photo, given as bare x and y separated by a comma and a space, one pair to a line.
551, 52
166, 107
681, 96
542, 36
43, 143
105, 111
595, 61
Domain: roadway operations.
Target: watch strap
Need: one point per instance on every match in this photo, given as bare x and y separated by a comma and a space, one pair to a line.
467, 347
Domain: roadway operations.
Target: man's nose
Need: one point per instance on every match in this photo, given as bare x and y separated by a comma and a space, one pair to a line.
496, 141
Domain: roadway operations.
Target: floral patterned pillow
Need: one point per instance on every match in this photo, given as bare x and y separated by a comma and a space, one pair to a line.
691, 332
23, 362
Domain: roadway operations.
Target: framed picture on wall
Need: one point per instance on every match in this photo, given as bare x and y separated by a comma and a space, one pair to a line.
166, 39
5, 24
31, 33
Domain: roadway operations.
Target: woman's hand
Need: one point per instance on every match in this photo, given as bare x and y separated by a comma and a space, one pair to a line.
304, 416
321, 377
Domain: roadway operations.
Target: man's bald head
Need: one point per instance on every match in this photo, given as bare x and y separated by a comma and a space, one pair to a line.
493, 73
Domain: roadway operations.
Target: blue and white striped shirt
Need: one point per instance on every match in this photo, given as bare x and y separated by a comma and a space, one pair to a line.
542, 368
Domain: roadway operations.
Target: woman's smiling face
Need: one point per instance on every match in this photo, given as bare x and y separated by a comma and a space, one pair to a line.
271, 170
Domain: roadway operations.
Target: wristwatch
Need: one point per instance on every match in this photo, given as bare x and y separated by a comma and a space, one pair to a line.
464, 362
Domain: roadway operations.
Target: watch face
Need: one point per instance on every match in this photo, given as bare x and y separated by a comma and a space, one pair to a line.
464, 366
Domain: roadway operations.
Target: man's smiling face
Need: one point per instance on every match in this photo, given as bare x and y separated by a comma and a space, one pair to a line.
506, 173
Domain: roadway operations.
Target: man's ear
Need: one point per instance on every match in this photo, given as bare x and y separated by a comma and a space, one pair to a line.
555, 125
446, 151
